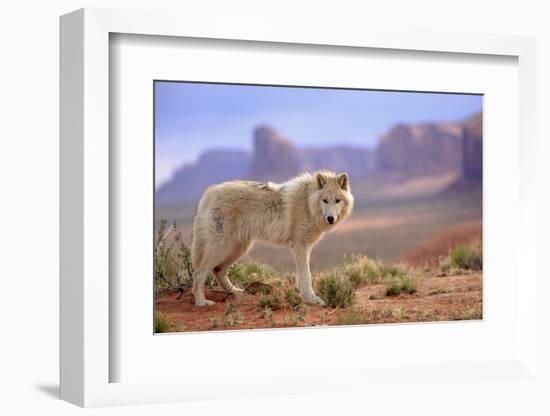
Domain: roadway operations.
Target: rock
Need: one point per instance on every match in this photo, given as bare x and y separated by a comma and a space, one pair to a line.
258, 287
357, 161
274, 157
190, 181
472, 164
422, 149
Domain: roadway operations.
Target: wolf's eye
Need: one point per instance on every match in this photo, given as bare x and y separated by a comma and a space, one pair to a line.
337, 201
325, 201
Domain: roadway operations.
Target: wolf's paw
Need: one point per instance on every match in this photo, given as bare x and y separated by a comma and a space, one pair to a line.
314, 300
237, 295
204, 302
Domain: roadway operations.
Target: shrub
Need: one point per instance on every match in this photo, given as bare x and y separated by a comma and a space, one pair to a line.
408, 284
473, 313
172, 260
293, 298
272, 302
335, 290
393, 287
361, 269
466, 257
242, 274
164, 324
399, 284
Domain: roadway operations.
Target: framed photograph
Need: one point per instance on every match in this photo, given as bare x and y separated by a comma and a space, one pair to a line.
294, 207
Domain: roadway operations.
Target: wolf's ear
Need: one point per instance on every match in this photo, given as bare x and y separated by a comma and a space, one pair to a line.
321, 180
343, 181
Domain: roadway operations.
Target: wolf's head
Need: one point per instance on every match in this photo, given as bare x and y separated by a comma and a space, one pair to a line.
332, 198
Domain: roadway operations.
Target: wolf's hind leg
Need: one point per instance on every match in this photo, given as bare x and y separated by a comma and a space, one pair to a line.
221, 271
221, 274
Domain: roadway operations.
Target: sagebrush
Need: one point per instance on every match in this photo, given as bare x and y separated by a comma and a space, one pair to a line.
464, 258
336, 290
164, 324
172, 259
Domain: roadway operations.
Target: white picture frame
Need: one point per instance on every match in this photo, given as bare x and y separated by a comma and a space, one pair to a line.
86, 356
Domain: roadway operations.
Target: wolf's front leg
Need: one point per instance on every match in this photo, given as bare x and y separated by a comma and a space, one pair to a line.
303, 276
199, 277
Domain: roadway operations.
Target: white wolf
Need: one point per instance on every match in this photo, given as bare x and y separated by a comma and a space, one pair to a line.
297, 213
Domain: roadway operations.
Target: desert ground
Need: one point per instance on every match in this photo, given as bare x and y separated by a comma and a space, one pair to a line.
448, 298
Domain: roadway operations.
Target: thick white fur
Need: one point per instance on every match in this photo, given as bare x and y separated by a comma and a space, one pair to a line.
296, 214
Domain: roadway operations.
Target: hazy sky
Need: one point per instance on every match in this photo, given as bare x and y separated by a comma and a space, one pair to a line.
192, 118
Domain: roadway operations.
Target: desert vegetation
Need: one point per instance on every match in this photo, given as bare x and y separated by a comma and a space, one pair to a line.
361, 290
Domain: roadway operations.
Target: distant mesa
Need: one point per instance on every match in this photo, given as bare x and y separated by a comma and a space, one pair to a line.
357, 161
432, 148
190, 180
406, 150
472, 163
421, 149
274, 157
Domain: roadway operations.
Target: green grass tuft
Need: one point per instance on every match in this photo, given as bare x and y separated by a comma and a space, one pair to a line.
272, 302
293, 298
164, 324
242, 274
360, 269
400, 284
466, 257
172, 260
335, 290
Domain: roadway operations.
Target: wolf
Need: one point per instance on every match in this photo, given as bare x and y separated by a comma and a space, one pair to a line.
297, 213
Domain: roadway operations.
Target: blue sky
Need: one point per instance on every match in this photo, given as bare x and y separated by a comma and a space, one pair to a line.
192, 118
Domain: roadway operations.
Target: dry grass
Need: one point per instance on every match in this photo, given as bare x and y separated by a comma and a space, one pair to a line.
335, 290
172, 260
463, 259
402, 284
272, 301
164, 324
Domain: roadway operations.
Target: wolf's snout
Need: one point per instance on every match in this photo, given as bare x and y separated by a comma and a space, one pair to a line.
330, 219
